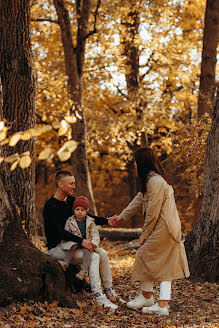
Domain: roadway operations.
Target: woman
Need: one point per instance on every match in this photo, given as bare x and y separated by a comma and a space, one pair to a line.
162, 255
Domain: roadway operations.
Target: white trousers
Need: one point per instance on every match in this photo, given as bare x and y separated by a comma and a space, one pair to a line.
71, 256
165, 289
99, 268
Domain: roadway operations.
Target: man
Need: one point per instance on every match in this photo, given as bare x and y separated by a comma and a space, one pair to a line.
56, 212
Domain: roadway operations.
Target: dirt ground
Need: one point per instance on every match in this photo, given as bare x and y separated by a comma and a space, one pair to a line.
192, 304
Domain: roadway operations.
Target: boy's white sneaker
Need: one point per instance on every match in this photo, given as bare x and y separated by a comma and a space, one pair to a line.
140, 301
156, 309
112, 295
102, 300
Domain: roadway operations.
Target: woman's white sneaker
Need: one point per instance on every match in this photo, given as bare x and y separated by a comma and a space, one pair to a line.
139, 302
102, 300
156, 309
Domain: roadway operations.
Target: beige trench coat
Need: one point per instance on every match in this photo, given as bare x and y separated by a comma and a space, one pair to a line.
91, 232
162, 257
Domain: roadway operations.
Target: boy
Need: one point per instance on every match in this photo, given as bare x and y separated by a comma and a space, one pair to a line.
95, 260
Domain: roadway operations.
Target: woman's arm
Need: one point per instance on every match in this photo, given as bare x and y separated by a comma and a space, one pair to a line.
133, 207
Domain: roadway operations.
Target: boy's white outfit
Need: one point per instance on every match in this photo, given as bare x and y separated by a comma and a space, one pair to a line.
99, 268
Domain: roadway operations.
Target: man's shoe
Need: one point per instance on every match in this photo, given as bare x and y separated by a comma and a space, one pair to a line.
112, 295
102, 300
156, 309
81, 274
139, 302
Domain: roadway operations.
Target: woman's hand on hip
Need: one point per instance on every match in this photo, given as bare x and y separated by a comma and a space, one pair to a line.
141, 240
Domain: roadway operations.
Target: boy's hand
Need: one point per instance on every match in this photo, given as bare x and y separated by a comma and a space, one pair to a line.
88, 245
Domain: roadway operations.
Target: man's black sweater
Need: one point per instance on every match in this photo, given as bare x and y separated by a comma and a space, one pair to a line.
55, 215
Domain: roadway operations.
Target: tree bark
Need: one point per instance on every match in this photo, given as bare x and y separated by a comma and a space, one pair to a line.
18, 78
25, 271
209, 54
201, 242
74, 62
131, 55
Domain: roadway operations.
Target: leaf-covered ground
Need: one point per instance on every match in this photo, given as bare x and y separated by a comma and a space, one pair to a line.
192, 305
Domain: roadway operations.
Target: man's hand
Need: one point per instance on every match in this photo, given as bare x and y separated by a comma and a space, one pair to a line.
114, 220
141, 240
88, 244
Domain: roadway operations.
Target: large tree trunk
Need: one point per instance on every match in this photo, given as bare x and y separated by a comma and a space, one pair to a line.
74, 62
18, 84
209, 54
201, 242
25, 272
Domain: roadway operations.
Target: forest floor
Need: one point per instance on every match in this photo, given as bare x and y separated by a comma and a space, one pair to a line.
192, 304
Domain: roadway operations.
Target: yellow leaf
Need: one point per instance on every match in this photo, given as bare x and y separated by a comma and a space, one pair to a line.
40, 129
62, 130
54, 304
25, 135
56, 125
3, 135
4, 142
46, 153
64, 155
12, 158
25, 161
14, 165
14, 139
1, 159
24, 307
2, 124
70, 119
70, 145
26, 153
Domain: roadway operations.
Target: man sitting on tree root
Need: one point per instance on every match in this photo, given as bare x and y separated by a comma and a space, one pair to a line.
56, 212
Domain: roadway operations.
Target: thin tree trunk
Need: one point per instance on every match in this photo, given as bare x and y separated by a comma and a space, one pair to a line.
74, 62
209, 54
131, 55
18, 78
201, 242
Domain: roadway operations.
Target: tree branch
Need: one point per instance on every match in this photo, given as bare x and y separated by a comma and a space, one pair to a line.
149, 64
50, 20
95, 21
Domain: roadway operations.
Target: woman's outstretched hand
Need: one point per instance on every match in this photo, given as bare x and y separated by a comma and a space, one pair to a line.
114, 220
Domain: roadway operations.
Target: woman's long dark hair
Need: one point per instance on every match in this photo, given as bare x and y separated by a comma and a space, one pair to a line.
147, 160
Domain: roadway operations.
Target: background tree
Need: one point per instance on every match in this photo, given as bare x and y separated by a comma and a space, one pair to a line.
201, 243
209, 58
74, 61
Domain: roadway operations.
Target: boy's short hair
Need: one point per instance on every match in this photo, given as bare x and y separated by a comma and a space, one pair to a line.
60, 175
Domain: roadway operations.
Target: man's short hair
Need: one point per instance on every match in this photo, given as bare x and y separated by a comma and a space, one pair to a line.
60, 175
